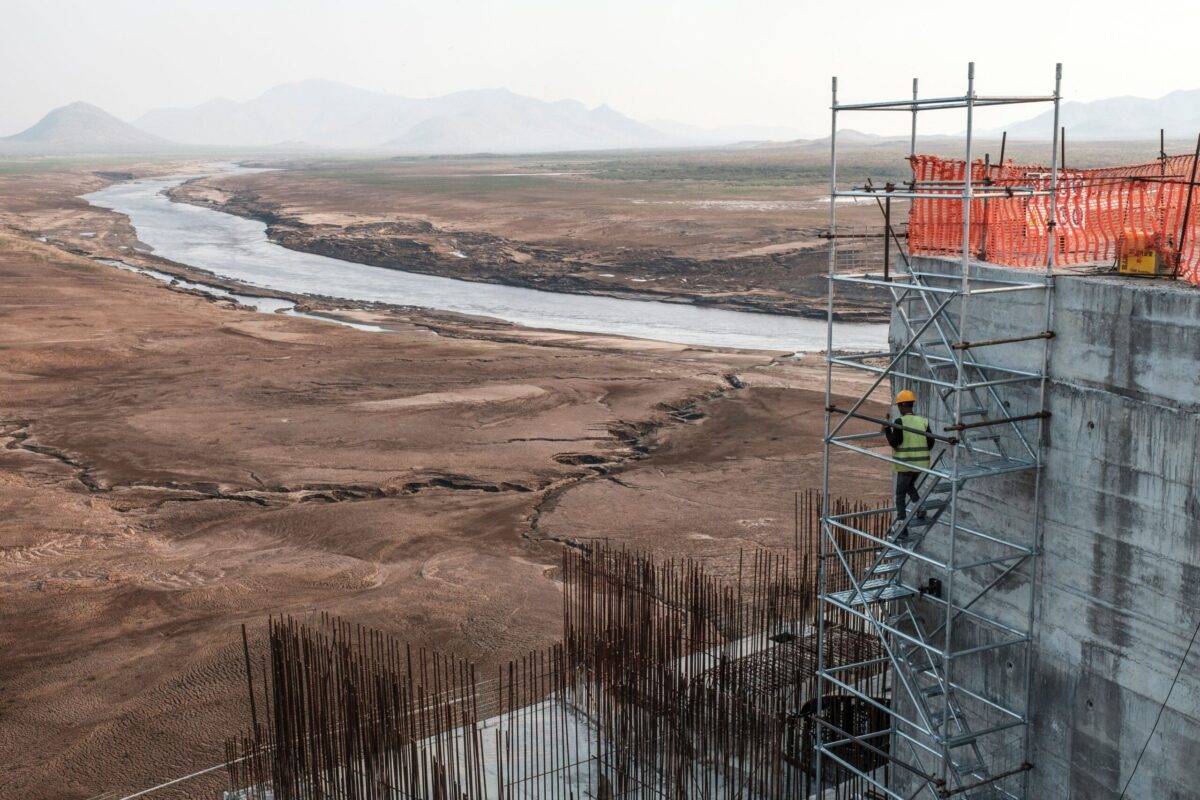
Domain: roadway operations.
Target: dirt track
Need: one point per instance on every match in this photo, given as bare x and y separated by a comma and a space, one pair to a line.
172, 468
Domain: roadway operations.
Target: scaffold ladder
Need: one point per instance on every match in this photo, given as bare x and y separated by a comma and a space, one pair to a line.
951, 733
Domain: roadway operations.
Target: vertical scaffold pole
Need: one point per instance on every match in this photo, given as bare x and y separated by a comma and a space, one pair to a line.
1052, 222
821, 550
955, 455
912, 151
1036, 543
912, 139
968, 192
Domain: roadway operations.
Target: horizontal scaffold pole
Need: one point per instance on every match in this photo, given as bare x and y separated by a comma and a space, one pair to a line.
932, 103
861, 741
962, 426
1009, 340
894, 425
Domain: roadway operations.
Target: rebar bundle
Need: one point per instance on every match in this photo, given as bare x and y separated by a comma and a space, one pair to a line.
669, 683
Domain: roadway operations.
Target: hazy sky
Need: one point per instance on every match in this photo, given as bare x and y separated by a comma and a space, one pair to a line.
705, 62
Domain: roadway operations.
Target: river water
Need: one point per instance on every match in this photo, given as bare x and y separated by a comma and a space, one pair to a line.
238, 249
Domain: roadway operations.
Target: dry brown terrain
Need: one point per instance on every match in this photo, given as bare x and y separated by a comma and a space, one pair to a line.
174, 467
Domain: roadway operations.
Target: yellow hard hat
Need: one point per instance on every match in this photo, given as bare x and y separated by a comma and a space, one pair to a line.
905, 396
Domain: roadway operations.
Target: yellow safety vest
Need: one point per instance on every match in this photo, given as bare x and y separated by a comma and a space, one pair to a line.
913, 448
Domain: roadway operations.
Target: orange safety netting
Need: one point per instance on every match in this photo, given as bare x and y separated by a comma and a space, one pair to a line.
1096, 209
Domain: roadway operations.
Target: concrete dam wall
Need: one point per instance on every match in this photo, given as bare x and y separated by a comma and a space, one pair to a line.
1117, 587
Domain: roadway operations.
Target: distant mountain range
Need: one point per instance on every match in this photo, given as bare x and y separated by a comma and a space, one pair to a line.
316, 114
83, 127
1119, 118
334, 115
327, 115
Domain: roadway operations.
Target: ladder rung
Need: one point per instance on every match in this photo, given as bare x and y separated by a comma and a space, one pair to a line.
935, 719
932, 691
885, 568
965, 742
976, 411
970, 768
882, 591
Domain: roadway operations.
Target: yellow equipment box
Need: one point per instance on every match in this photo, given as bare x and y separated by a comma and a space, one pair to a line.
1143, 263
1139, 253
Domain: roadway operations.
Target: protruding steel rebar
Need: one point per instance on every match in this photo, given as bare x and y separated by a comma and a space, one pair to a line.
670, 682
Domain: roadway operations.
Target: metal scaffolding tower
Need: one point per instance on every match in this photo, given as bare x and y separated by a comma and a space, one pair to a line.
950, 591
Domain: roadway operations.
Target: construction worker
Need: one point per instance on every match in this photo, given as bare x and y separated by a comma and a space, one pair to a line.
909, 447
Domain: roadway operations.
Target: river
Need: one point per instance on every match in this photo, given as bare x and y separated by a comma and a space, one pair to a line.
238, 249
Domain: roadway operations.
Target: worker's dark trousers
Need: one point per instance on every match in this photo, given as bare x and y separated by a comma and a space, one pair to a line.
906, 487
